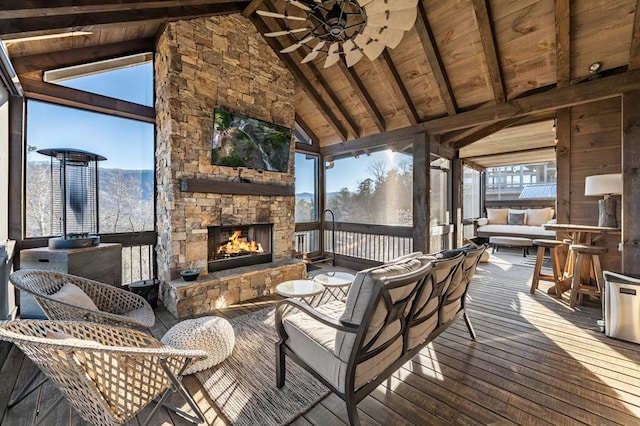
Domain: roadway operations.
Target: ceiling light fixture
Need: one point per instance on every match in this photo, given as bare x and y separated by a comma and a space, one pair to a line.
347, 28
595, 67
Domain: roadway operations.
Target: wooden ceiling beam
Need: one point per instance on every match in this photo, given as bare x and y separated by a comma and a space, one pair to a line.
363, 94
314, 138
253, 6
311, 92
23, 26
435, 61
370, 143
41, 8
82, 55
318, 78
634, 52
484, 131
487, 36
548, 101
563, 42
453, 137
402, 95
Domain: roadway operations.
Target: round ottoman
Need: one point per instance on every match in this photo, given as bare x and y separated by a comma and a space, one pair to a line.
213, 335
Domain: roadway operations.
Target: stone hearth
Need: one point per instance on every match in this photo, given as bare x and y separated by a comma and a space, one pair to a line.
216, 290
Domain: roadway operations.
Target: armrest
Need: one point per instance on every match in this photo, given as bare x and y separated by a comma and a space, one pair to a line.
310, 311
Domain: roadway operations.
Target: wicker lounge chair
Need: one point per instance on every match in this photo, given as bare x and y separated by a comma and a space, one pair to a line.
108, 374
115, 306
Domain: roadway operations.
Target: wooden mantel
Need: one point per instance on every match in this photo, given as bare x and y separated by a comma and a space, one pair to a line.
238, 188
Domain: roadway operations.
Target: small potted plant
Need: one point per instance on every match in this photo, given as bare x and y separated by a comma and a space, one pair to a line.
190, 274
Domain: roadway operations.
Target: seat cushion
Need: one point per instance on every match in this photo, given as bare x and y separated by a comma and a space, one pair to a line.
314, 343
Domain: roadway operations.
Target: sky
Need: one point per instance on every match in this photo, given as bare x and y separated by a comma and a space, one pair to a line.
348, 172
127, 144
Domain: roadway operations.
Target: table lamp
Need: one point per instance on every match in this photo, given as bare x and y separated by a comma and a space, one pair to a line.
606, 185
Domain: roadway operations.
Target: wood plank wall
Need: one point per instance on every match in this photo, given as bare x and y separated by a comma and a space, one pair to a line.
595, 147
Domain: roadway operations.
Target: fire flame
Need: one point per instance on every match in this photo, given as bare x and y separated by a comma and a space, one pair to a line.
237, 245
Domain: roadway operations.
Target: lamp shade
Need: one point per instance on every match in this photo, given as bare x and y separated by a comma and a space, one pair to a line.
603, 184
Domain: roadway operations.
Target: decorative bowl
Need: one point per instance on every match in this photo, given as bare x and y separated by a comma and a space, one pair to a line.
189, 274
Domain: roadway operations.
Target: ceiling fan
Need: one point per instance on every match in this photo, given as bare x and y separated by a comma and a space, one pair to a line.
347, 28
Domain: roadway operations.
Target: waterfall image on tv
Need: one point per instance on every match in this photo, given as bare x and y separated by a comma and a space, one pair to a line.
240, 141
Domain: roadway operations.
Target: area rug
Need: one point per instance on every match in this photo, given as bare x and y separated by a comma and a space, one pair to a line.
243, 386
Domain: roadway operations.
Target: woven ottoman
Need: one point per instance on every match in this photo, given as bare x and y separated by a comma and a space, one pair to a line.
213, 335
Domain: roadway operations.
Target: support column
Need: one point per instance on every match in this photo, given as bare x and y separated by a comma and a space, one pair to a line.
456, 199
421, 187
563, 165
630, 183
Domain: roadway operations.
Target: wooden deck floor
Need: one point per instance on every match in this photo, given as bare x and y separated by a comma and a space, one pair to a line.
536, 361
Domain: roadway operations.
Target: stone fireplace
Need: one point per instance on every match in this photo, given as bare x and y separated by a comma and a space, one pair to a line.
202, 64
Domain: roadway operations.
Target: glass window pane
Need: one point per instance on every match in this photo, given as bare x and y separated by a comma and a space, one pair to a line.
126, 178
526, 181
129, 78
306, 187
374, 188
471, 193
440, 191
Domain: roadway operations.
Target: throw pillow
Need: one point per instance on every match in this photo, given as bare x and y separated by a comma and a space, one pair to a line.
526, 219
516, 218
73, 295
498, 216
538, 217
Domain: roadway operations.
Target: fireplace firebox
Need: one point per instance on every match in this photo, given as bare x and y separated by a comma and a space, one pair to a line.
241, 245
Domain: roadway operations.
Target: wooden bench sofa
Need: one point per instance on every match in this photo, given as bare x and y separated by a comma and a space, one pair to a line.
391, 312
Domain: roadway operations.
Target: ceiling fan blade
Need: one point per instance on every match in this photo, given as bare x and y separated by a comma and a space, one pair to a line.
314, 53
333, 55
280, 15
281, 33
297, 45
352, 53
394, 19
363, 3
387, 36
300, 5
369, 47
381, 6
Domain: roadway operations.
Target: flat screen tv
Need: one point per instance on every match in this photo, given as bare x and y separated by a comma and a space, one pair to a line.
240, 141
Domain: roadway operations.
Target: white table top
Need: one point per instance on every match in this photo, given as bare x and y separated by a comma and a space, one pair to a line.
299, 288
334, 279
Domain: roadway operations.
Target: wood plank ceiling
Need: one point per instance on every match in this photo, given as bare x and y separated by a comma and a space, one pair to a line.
456, 73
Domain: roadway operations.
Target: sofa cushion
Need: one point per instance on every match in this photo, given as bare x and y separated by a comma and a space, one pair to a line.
73, 295
516, 230
538, 217
498, 216
516, 218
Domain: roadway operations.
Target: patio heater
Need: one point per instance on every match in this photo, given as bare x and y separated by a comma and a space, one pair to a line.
74, 198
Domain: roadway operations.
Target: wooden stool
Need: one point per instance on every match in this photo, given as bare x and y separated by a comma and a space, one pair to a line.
587, 260
559, 277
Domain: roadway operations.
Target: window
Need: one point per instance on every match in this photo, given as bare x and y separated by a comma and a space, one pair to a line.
128, 78
306, 187
471, 193
375, 188
126, 178
525, 181
440, 191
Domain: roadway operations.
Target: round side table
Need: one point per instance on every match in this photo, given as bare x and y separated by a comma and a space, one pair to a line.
306, 290
336, 284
